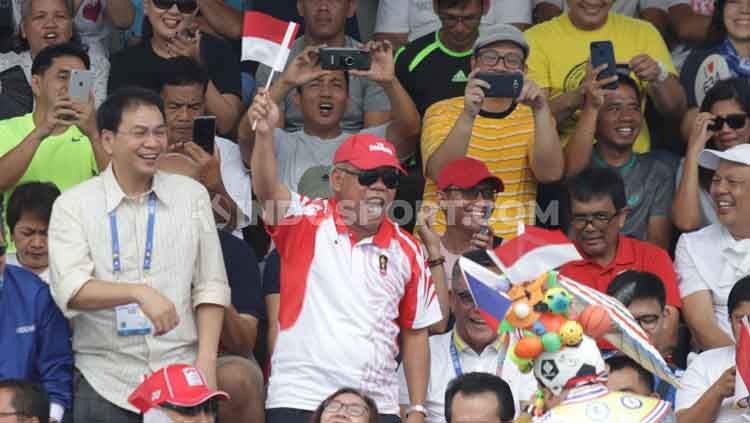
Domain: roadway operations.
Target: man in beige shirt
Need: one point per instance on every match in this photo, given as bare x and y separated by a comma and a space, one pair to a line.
136, 264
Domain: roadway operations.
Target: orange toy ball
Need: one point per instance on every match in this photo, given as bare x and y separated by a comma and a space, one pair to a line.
551, 321
595, 321
529, 347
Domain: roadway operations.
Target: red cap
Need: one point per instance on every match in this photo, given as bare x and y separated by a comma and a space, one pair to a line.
465, 173
365, 151
178, 384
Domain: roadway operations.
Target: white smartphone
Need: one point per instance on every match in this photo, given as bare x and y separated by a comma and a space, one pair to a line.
80, 84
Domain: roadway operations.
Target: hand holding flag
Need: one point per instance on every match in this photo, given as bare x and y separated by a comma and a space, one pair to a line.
488, 290
742, 380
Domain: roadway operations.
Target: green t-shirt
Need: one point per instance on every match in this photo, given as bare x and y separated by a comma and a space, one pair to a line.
65, 160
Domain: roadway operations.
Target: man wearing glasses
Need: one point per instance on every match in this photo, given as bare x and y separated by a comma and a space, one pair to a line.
604, 137
34, 336
598, 209
22, 401
514, 135
352, 281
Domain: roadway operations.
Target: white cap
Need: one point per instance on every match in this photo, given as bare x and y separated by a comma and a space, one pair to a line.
738, 154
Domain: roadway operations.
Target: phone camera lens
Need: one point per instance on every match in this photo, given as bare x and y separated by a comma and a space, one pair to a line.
349, 60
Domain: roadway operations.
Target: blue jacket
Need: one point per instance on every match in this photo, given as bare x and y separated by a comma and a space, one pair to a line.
34, 336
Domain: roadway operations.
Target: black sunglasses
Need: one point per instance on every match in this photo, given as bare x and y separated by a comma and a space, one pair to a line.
390, 177
474, 192
182, 5
735, 121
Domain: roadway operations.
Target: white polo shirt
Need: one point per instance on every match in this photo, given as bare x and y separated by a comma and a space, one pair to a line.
711, 260
342, 306
442, 371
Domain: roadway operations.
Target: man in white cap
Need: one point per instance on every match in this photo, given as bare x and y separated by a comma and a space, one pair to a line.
709, 261
175, 394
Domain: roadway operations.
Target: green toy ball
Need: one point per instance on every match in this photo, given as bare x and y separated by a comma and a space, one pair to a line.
551, 342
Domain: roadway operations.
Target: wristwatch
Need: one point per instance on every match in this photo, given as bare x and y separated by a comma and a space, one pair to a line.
416, 408
663, 72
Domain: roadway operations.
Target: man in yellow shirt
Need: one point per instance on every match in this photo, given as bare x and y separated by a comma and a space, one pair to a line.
560, 50
516, 138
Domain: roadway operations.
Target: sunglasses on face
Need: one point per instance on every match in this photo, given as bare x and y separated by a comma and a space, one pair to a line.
474, 192
735, 121
390, 177
184, 6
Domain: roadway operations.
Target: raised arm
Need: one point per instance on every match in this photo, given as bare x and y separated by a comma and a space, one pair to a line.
667, 95
547, 161
686, 206
273, 195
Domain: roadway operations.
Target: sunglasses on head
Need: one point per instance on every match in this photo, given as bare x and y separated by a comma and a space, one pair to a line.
735, 121
390, 177
184, 6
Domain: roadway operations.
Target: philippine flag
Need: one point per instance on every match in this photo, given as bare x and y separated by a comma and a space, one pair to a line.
267, 40
534, 252
742, 381
488, 290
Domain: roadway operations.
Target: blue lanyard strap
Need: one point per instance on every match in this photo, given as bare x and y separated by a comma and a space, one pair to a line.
457, 361
116, 264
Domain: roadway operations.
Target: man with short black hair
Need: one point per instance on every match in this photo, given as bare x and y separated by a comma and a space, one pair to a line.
475, 397
27, 401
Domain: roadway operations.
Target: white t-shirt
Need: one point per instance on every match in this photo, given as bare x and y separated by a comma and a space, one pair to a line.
442, 372
236, 179
418, 18
711, 259
623, 7
703, 372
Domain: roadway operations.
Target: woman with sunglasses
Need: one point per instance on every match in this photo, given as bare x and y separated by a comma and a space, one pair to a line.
45, 23
172, 29
721, 124
346, 404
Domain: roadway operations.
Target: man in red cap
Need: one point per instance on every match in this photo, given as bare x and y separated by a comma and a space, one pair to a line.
352, 281
177, 394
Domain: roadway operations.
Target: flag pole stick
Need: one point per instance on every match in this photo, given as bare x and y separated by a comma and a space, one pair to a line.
268, 84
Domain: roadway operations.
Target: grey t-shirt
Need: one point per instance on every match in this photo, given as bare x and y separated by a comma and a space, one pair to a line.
649, 188
297, 151
364, 95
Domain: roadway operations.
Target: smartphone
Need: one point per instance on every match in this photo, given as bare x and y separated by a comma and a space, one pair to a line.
80, 84
602, 52
486, 214
204, 132
344, 59
504, 85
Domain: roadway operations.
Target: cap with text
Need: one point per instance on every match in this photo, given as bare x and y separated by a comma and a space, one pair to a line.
466, 172
178, 384
365, 152
738, 154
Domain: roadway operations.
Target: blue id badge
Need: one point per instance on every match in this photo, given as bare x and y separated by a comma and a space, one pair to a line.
131, 320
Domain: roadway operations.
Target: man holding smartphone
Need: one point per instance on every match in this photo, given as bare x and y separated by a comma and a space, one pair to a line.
514, 135
57, 142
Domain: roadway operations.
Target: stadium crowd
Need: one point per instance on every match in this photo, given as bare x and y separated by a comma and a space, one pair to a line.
284, 243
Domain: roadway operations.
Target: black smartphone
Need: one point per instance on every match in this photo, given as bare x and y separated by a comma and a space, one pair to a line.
204, 132
602, 52
486, 214
344, 59
504, 85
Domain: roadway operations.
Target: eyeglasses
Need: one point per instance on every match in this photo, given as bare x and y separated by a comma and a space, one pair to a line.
210, 407
647, 320
453, 20
354, 410
474, 192
511, 61
735, 121
597, 220
3, 249
390, 177
182, 6
465, 297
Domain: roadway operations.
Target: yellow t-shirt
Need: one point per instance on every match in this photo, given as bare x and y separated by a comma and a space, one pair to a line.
504, 145
559, 52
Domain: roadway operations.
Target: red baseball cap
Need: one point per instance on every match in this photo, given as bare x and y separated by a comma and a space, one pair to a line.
178, 384
466, 173
365, 151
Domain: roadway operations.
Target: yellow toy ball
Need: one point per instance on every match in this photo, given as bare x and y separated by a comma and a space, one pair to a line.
571, 333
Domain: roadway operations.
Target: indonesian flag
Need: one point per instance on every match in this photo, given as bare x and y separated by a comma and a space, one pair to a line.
488, 290
742, 381
267, 40
534, 252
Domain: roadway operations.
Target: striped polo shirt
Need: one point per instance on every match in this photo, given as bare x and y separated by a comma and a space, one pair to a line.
505, 143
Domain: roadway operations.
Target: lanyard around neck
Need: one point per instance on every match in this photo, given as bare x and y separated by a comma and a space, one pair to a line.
116, 265
457, 361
